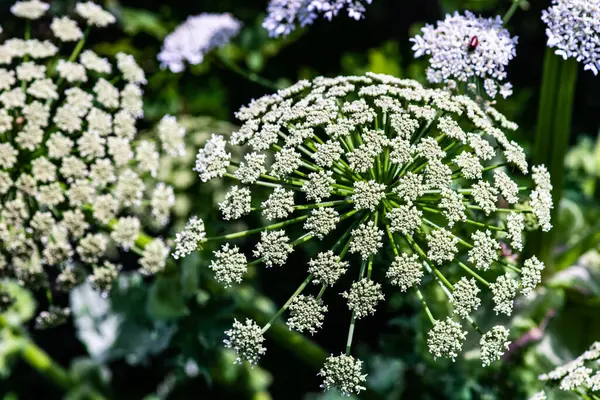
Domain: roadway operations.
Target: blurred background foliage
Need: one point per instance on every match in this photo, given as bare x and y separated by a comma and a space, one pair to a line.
163, 339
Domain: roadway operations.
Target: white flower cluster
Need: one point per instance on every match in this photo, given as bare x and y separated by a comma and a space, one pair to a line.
306, 314
74, 180
246, 340
463, 47
284, 15
371, 165
446, 339
573, 29
581, 374
343, 373
197, 36
493, 344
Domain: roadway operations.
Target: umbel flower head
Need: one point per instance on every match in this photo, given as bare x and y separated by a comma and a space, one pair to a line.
197, 36
74, 181
367, 166
573, 29
582, 375
468, 49
284, 15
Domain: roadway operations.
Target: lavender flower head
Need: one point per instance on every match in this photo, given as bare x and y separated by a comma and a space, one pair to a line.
573, 28
464, 47
285, 15
193, 39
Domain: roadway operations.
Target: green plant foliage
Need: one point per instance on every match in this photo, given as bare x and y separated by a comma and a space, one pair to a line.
161, 338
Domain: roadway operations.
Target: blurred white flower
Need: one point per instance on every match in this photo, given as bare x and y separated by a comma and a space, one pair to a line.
198, 35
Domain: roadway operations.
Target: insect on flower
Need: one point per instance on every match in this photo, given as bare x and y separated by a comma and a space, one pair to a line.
473, 43
450, 45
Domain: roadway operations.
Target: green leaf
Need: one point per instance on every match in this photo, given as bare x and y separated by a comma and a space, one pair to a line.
552, 138
580, 279
136, 21
118, 326
255, 61
19, 305
165, 300
588, 241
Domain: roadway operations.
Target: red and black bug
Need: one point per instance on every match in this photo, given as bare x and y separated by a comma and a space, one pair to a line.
473, 43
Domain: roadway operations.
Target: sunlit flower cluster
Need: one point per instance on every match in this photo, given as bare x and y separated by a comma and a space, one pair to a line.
573, 29
582, 375
366, 166
75, 184
284, 16
197, 36
468, 49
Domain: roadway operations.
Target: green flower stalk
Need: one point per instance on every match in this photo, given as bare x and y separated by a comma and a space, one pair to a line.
75, 181
367, 165
572, 28
17, 307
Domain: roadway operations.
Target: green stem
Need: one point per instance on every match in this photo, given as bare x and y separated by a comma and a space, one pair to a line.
318, 205
511, 11
428, 263
447, 288
424, 304
499, 209
79, 45
321, 292
287, 303
552, 137
350, 333
38, 359
41, 361
257, 307
260, 309
473, 274
271, 227
468, 221
417, 291
363, 266
460, 240
251, 76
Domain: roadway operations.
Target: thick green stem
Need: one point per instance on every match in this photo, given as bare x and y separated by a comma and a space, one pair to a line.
41, 361
38, 359
552, 137
350, 333
353, 318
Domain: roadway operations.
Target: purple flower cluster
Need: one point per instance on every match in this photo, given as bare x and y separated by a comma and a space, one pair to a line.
193, 39
285, 15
